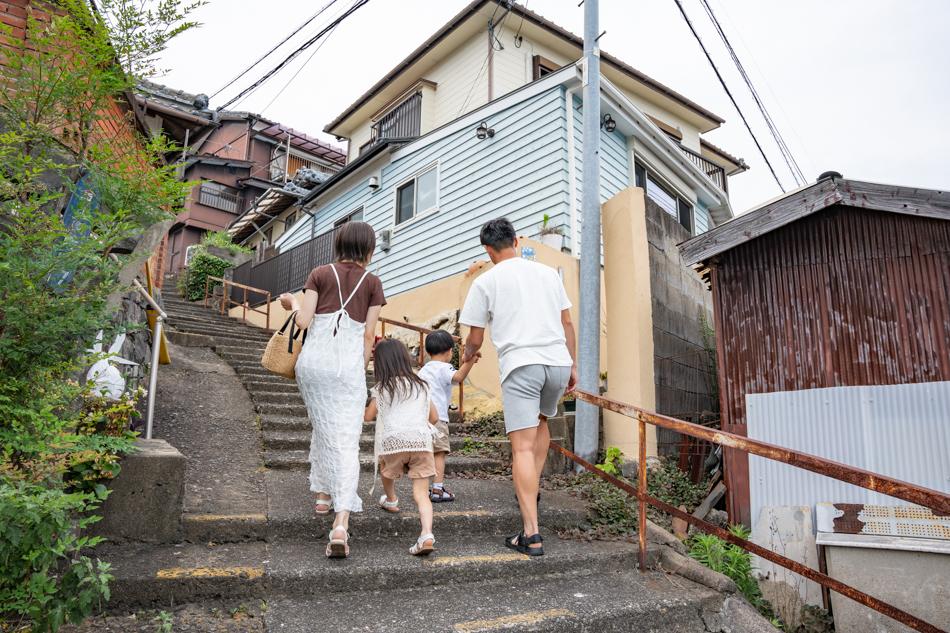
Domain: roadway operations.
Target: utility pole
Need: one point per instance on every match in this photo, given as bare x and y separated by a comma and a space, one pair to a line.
587, 422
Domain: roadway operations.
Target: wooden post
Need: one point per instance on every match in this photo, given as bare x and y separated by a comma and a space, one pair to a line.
268, 312
422, 349
224, 289
244, 307
461, 402
206, 291
641, 499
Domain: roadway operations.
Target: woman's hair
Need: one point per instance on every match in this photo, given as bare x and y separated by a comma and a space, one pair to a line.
355, 241
498, 233
393, 368
439, 342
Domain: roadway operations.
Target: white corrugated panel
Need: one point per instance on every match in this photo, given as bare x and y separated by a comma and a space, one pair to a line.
902, 431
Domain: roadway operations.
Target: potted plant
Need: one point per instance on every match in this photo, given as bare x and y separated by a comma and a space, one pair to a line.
570, 404
551, 236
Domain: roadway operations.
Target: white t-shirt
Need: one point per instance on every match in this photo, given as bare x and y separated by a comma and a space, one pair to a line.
520, 301
438, 376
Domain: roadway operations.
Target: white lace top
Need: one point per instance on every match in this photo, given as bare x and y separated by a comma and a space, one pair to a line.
402, 424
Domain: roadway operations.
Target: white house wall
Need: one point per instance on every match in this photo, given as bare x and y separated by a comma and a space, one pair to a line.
462, 74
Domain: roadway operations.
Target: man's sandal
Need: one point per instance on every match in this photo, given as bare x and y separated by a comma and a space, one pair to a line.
424, 546
522, 544
440, 495
338, 547
389, 506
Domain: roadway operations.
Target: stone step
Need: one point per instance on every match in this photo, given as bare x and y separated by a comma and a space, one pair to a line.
159, 576
261, 386
300, 440
616, 601
277, 397
284, 410
298, 460
223, 528
222, 333
482, 507
270, 422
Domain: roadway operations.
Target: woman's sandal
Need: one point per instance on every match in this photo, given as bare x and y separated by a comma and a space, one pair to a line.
389, 506
322, 503
424, 546
522, 544
338, 548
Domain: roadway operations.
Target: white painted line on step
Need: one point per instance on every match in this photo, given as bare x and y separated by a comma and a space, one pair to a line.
530, 617
224, 517
478, 558
173, 573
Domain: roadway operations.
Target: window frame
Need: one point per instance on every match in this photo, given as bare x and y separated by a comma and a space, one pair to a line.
642, 177
539, 64
416, 214
349, 217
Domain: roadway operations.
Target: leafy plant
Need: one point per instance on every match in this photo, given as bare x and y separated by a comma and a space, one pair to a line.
547, 229
202, 266
164, 622
730, 560
487, 425
222, 239
613, 462
471, 447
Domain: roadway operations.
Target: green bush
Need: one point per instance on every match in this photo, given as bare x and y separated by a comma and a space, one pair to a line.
222, 239
613, 462
202, 266
45, 579
731, 560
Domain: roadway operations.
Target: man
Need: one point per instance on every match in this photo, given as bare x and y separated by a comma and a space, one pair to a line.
527, 308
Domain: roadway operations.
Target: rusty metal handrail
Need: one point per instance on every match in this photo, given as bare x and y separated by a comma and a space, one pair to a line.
423, 331
938, 502
227, 301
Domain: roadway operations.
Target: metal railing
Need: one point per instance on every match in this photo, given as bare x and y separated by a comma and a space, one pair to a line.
160, 317
404, 121
713, 171
227, 301
218, 199
423, 331
937, 502
287, 271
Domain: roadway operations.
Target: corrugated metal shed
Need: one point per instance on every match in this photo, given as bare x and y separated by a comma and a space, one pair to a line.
853, 288
898, 430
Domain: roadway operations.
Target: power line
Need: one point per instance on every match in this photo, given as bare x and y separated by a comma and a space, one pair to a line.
302, 66
722, 81
491, 43
257, 84
790, 161
275, 47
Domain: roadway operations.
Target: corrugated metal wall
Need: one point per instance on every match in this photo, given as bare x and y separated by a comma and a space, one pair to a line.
898, 430
842, 298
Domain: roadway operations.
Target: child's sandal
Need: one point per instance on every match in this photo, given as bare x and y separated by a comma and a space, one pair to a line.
424, 545
440, 495
389, 506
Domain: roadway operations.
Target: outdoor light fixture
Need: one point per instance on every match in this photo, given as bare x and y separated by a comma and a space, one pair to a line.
483, 131
373, 183
608, 123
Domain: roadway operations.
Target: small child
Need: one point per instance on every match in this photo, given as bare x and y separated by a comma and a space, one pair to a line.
440, 376
405, 419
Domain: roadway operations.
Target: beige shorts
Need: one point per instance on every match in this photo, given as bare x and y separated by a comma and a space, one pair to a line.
417, 464
441, 444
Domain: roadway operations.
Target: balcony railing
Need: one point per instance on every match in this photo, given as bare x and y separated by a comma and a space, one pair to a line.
215, 198
404, 121
287, 271
713, 171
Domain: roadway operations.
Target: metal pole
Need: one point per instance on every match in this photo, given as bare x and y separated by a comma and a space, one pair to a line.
587, 422
153, 376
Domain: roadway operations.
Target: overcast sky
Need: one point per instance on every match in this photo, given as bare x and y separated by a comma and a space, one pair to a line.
858, 86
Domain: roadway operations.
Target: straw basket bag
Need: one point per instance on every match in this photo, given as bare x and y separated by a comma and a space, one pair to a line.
283, 348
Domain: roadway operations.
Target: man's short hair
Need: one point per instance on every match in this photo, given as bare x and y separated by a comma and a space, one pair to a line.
498, 233
439, 342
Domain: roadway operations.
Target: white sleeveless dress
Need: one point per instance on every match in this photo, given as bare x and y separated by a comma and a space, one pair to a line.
332, 380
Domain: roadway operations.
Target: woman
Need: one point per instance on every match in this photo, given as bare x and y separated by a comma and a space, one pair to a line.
340, 307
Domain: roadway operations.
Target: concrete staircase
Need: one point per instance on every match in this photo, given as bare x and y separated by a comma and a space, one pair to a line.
472, 582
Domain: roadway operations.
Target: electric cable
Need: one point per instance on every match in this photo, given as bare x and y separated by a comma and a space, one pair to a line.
491, 43
270, 73
790, 161
722, 81
275, 47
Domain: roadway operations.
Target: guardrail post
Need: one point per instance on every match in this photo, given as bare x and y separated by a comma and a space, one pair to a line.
461, 402
267, 324
224, 290
244, 308
641, 498
382, 329
422, 349
153, 376
207, 281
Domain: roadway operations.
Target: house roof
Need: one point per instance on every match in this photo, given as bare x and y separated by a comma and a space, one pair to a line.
272, 203
740, 164
469, 12
806, 201
365, 157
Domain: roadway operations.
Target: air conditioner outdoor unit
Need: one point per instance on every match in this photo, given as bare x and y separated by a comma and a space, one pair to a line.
385, 239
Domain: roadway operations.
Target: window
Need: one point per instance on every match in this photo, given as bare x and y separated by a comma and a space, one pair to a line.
417, 196
218, 196
290, 219
354, 216
269, 235
666, 199
542, 66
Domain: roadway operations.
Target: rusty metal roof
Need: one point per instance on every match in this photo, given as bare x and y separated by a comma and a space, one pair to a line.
803, 202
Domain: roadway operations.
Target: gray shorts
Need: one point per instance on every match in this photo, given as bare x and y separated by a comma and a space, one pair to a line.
530, 391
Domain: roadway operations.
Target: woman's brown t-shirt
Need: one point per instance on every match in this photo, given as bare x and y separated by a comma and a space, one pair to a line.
323, 282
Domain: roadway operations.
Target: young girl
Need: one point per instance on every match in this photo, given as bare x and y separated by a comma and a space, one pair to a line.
405, 419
